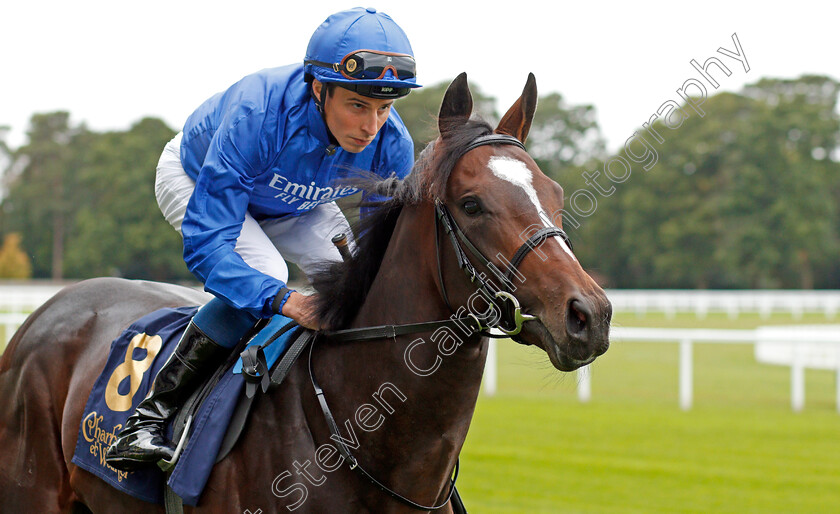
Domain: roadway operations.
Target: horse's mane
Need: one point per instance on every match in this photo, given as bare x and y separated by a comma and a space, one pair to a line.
343, 286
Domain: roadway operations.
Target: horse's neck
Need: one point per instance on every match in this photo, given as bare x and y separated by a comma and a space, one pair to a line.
443, 363
427, 383
406, 291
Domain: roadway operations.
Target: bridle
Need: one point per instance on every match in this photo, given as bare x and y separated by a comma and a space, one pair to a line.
509, 319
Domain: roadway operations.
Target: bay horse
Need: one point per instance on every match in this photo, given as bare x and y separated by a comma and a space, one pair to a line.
403, 403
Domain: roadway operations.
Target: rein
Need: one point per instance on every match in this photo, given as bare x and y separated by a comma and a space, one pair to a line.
354, 463
509, 320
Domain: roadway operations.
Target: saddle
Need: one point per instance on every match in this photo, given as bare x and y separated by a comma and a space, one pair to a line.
207, 426
261, 361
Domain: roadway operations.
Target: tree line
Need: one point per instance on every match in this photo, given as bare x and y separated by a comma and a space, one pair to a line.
745, 196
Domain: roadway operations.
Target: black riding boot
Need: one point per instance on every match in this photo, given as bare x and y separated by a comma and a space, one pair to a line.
143, 441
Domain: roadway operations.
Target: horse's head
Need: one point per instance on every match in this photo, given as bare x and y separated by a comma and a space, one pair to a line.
509, 212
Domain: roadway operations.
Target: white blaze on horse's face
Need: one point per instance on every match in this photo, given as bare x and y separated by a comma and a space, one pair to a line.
518, 174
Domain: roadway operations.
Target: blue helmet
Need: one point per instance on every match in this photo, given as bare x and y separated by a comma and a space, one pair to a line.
362, 50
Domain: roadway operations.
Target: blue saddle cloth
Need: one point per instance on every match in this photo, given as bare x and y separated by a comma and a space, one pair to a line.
135, 358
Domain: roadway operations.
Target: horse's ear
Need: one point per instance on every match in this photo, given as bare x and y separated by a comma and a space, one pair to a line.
517, 121
457, 105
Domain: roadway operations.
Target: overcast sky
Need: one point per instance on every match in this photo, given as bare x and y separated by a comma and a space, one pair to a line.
112, 63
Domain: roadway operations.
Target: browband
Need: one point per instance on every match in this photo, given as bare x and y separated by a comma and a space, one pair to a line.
491, 139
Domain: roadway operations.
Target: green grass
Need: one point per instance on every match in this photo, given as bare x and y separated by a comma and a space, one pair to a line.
534, 448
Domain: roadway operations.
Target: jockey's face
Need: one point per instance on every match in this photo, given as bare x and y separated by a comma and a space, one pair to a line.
352, 118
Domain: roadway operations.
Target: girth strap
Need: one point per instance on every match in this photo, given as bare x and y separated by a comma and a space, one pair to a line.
290, 357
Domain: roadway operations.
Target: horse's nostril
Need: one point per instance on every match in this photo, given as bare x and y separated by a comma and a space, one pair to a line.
576, 317
581, 316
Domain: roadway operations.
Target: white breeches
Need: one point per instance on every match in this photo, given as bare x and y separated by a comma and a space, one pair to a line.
305, 240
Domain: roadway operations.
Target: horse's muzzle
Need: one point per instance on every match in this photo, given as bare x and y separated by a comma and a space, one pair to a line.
577, 336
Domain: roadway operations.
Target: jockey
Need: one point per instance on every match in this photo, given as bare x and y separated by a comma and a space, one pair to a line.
252, 180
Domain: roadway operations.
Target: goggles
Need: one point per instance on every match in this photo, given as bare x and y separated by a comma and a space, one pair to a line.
372, 65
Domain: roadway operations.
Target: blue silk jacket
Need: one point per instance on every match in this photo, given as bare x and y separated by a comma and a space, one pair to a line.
262, 147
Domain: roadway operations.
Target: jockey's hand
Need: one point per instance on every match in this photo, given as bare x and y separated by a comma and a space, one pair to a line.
301, 308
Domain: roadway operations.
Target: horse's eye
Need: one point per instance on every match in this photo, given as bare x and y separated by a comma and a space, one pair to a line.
471, 207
